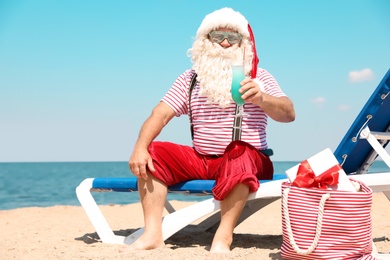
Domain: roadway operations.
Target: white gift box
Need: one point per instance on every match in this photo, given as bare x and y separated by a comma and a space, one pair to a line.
320, 163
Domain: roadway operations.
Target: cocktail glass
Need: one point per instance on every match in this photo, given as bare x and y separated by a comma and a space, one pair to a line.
238, 72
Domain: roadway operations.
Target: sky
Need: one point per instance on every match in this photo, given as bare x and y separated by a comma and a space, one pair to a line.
78, 78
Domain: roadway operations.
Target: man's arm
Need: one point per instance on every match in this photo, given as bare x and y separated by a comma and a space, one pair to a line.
140, 160
280, 109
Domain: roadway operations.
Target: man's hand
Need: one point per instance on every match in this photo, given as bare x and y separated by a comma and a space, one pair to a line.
280, 109
140, 163
250, 91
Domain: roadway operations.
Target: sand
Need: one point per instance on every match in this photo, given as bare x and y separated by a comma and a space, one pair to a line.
64, 232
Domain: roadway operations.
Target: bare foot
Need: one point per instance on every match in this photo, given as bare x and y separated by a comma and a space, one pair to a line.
144, 242
221, 243
220, 248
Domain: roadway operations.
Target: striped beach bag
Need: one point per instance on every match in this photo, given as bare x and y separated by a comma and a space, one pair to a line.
326, 224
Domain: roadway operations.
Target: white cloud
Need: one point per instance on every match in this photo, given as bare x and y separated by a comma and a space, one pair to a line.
319, 100
361, 75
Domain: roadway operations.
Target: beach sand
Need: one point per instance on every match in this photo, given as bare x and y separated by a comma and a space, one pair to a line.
64, 232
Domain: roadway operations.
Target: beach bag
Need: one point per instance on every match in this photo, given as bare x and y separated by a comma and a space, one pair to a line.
326, 224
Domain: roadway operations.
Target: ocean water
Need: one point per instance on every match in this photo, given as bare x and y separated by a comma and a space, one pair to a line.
54, 183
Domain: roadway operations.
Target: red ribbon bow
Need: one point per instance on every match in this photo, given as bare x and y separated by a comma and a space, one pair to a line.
307, 179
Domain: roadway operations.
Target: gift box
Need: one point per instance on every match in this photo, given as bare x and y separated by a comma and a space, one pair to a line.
320, 171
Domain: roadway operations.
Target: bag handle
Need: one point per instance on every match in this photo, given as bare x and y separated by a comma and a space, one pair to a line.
321, 207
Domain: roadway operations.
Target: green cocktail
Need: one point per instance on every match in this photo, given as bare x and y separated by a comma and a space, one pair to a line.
238, 76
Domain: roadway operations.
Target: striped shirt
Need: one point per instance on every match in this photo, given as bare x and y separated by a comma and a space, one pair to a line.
213, 125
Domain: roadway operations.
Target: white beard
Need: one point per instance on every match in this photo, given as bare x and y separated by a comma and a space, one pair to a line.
212, 63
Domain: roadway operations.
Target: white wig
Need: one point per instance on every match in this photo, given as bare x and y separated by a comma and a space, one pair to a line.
212, 62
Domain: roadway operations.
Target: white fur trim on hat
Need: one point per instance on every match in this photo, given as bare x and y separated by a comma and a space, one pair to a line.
225, 17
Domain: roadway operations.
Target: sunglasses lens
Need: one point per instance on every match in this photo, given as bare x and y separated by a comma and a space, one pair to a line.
218, 37
233, 38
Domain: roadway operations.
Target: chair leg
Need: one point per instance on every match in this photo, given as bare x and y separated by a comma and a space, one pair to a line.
367, 134
210, 224
252, 206
94, 214
387, 193
168, 206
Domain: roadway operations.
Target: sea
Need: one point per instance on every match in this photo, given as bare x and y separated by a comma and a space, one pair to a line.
45, 184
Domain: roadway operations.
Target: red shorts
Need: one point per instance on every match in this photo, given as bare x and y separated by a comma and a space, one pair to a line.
241, 163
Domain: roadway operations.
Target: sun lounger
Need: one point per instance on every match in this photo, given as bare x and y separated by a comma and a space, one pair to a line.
367, 138
354, 153
175, 220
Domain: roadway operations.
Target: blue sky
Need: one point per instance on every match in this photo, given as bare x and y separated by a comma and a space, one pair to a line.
78, 78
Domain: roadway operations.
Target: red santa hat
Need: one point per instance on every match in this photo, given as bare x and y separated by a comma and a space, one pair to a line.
228, 18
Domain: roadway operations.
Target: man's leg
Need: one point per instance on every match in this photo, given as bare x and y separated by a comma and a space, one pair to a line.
153, 194
231, 209
173, 163
237, 175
